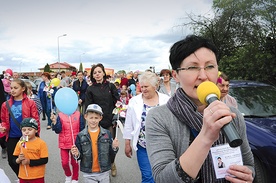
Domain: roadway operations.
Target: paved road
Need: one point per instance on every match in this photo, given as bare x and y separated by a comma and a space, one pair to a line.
127, 169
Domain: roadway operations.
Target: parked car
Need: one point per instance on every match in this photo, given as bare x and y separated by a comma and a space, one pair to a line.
37, 81
257, 103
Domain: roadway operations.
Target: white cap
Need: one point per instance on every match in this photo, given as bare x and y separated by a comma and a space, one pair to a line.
94, 108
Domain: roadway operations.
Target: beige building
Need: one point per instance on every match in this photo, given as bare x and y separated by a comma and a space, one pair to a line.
54, 67
62, 66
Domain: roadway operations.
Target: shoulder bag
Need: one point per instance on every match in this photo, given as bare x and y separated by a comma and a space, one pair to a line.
11, 114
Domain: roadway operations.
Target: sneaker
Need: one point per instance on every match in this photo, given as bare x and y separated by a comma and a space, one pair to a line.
113, 170
48, 128
68, 179
74, 181
4, 153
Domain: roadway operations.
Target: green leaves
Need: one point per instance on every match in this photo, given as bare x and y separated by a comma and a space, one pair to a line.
244, 32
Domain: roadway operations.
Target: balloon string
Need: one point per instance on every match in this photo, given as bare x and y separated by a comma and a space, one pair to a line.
72, 133
51, 104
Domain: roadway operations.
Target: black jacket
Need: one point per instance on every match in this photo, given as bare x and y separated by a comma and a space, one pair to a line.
105, 95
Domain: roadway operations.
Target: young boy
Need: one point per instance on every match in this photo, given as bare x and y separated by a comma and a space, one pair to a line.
94, 147
31, 153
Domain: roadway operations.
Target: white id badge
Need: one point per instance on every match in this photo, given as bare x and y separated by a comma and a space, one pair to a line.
223, 156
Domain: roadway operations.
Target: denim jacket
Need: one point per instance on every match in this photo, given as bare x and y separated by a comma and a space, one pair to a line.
105, 150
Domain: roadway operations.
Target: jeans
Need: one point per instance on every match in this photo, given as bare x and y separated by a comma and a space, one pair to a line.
144, 165
66, 157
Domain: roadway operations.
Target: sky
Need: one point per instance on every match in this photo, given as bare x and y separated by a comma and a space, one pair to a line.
121, 34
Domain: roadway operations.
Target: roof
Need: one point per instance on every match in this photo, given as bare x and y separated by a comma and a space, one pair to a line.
62, 65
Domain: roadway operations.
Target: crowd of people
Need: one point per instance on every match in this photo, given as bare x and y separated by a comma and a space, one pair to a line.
171, 131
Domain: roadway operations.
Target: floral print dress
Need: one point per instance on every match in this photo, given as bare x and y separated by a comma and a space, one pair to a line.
142, 134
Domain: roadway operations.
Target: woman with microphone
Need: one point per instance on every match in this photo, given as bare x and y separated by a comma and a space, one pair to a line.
184, 136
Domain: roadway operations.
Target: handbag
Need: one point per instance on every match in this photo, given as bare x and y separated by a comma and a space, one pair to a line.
11, 114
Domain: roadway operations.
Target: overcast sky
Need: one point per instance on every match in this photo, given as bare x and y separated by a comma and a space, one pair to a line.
121, 34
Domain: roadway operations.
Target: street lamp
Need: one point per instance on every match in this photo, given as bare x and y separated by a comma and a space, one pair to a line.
80, 56
20, 67
58, 51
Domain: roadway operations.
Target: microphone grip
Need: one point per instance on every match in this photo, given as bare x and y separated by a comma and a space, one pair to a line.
229, 130
231, 134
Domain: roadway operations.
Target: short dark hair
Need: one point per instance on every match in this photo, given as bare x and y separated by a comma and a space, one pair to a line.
80, 72
185, 47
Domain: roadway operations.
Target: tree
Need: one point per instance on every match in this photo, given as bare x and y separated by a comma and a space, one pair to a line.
81, 67
244, 32
47, 68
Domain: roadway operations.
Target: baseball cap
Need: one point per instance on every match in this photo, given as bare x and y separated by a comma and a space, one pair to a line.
94, 108
29, 122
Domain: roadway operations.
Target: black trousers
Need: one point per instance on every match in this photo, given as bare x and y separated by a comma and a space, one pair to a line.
11, 143
113, 133
3, 142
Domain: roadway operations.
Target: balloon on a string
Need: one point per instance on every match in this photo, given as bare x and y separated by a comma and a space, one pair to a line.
66, 100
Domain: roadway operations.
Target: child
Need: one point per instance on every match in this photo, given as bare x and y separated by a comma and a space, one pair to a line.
124, 98
20, 107
34, 97
7, 85
95, 144
68, 131
31, 153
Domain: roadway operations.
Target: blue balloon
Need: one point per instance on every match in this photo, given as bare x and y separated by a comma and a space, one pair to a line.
66, 100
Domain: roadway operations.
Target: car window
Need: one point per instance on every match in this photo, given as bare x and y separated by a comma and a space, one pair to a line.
255, 100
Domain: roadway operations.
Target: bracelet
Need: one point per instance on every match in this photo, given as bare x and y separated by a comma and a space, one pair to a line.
183, 175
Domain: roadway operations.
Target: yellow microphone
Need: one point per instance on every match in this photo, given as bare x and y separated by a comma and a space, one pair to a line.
207, 93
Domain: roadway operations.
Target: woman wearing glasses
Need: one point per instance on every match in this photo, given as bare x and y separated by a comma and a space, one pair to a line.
181, 133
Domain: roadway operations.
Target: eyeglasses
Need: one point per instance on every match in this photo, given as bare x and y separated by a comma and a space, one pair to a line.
193, 69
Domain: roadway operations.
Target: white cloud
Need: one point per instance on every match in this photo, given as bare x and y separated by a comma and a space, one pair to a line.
120, 34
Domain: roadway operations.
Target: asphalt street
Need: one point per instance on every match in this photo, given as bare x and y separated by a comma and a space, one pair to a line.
127, 168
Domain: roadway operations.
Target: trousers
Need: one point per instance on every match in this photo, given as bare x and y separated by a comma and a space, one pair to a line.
66, 158
144, 165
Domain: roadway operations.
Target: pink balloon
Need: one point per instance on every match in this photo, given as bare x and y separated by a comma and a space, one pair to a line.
9, 71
